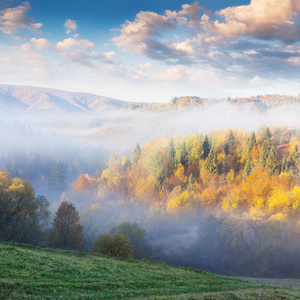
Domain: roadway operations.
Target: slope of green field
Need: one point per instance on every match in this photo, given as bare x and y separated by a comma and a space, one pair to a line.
28, 272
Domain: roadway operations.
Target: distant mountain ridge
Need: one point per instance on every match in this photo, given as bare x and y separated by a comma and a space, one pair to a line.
26, 98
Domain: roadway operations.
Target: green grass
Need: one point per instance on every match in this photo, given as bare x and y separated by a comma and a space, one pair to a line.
35, 273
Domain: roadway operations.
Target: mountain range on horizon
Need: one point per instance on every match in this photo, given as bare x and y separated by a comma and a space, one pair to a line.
37, 99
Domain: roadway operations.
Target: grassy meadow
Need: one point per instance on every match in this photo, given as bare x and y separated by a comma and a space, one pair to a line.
29, 272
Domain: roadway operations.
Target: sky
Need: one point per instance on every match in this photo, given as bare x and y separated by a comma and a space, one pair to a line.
152, 51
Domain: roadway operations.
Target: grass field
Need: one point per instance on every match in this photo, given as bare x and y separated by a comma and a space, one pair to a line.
28, 272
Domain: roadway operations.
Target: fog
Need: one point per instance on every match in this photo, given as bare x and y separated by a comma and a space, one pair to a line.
120, 131
34, 144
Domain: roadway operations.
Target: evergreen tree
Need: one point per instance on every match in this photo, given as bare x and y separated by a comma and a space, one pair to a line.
206, 147
229, 144
58, 175
170, 158
212, 163
271, 163
191, 182
136, 154
267, 143
248, 168
251, 143
181, 154
13, 170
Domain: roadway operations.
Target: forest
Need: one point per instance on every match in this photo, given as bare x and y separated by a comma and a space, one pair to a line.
227, 201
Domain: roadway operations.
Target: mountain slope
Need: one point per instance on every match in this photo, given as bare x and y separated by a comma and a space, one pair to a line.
24, 98
33, 273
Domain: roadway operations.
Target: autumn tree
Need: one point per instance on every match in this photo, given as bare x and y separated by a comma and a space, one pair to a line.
67, 232
135, 234
116, 245
23, 216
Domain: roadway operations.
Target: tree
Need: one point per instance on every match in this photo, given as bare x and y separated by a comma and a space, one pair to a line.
229, 143
170, 158
22, 215
248, 168
191, 182
58, 175
136, 154
267, 143
67, 232
271, 165
251, 143
180, 154
212, 163
206, 147
117, 245
135, 234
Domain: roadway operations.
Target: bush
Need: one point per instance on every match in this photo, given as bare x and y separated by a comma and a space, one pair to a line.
136, 236
116, 245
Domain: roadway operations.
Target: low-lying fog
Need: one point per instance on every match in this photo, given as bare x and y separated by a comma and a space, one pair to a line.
120, 131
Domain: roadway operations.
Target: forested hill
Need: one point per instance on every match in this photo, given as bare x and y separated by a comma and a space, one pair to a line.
25, 98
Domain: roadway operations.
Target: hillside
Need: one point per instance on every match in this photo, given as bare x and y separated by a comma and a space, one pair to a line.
36, 273
25, 98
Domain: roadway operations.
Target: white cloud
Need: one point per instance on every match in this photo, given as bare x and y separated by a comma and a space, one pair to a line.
41, 44
145, 66
66, 44
137, 35
71, 25
262, 19
176, 73
13, 19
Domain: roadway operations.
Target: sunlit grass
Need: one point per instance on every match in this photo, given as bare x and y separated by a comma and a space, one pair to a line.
36, 273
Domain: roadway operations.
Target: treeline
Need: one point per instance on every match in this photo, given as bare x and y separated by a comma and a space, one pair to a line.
226, 172
52, 173
24, 218
248, 182
264, 102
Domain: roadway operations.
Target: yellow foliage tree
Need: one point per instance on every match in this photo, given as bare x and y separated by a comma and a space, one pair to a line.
208, 198
186, 201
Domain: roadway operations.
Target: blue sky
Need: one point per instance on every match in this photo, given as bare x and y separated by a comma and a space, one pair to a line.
144, 50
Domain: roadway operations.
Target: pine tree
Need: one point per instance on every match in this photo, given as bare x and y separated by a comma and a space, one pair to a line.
206, 147
191, 182
271, 163
229, 144
251, 143
58, 175
212, 163
170, 159
248, 168
181, 154
136, 154
267, 143
66, 232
